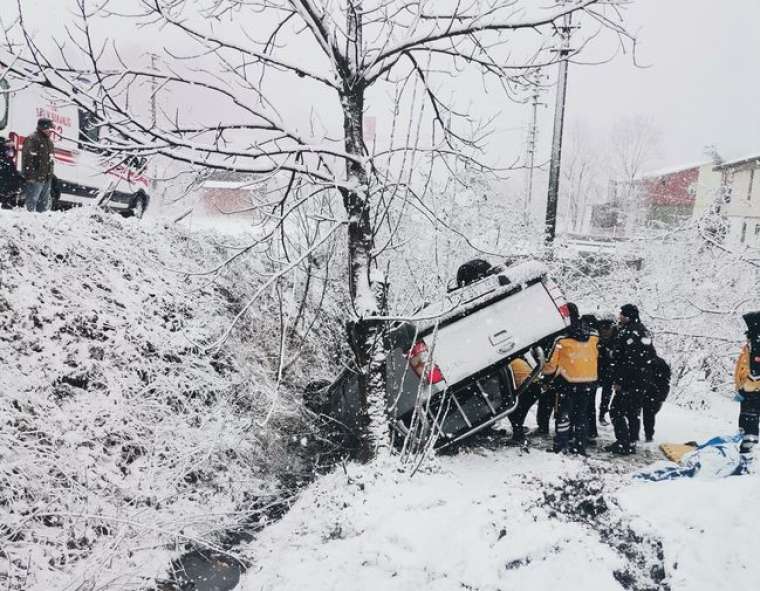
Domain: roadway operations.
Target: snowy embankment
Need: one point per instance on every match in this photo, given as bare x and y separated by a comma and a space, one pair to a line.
123, 439
504, 519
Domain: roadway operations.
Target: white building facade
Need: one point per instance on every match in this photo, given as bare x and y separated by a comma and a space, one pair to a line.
741, 182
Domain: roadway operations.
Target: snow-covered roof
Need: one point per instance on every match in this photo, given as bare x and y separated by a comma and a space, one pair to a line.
673, 169
739, 161
225, 184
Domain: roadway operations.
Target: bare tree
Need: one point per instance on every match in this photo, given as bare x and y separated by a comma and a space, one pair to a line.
635, 143
582, 168
328, 53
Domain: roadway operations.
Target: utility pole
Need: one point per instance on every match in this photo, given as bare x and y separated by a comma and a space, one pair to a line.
559, 119
530, 156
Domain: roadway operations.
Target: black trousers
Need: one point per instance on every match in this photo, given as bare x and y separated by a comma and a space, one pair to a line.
650, 406
604, 403
547, 400
749, 417
572, 416
625, 411
524, 404
591, 430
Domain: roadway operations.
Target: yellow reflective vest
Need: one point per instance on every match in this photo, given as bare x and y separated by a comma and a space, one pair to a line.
520, 370
575, 361
742, 379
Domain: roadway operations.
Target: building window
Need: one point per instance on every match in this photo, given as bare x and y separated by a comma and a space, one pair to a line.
744, 232
751, 182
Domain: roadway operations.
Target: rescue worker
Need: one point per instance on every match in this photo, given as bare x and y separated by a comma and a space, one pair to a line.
519, 371
747, 381
11, 181
654, 396
607, 330
573, 367
37, 166
632, 356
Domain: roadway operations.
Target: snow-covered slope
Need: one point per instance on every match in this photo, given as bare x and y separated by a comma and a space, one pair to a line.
505, 519
121, 435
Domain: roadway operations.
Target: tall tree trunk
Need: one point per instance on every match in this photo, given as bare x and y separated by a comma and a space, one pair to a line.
365, 287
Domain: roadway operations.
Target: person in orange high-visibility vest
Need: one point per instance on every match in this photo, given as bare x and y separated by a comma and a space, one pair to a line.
573, 365
747, 382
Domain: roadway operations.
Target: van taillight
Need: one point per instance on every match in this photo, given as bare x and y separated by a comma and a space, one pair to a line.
418, 360
564, 311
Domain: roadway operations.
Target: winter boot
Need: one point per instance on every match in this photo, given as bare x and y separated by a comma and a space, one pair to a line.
619, 449
519, 439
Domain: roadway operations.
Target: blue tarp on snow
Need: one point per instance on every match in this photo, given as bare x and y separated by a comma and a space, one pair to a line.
717, 458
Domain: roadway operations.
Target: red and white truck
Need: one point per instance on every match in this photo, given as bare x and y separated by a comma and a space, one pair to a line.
83, 171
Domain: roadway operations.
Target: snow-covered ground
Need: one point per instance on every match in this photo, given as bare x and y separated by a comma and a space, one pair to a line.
505, 519
124, 442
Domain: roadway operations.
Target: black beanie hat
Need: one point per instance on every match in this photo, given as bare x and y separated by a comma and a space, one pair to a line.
44, 123
630, 311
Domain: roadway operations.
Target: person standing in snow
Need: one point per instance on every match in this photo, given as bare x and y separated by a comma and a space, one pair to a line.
632, 356
607, 330
573, 367
747, 381
37, 166
655, 395
519, 372
11, 181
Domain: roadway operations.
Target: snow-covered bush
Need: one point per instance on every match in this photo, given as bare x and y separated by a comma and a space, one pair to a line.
124, 433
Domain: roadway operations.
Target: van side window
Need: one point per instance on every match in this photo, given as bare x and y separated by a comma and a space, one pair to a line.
89, 131
5, 102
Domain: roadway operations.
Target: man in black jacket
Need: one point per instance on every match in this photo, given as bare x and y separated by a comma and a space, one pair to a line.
11, 181
632, 357
37, 163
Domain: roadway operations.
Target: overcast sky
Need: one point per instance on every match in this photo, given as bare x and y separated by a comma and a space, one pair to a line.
699, 84
702, 85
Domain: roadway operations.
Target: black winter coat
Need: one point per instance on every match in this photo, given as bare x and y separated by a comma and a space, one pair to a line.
632, 356
660, 379
37, 157
605, 358
10, 179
